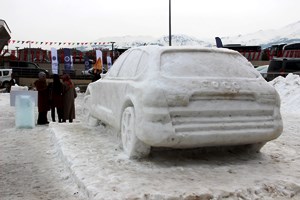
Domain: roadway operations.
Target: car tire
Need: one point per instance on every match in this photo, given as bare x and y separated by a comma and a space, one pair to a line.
87, 111
248, 148
132, 146
255, 148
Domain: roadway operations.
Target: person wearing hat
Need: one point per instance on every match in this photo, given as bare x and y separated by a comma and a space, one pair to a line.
43, 99
69, 95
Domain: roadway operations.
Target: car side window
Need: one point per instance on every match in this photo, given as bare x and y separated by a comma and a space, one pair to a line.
142, 64
13, 64
31, 66
18, 64
114, 70
130, 65
5, 73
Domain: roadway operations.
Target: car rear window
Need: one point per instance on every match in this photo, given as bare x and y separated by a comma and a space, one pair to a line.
18, 64
206, 64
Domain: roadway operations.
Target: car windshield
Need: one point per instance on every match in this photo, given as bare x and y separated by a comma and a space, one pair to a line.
205, 64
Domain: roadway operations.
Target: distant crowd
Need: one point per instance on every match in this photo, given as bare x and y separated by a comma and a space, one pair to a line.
56, 96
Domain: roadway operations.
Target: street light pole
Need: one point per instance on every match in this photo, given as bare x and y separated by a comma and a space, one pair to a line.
170, 35
29, 52
17, 52
112, 50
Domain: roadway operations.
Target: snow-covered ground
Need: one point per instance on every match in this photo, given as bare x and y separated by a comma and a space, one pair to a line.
75, 161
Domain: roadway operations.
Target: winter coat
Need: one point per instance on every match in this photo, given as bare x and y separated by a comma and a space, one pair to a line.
43, 95
55, 95
69, 95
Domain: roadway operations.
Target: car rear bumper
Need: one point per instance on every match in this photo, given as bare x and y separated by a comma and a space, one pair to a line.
192, 138
192, 128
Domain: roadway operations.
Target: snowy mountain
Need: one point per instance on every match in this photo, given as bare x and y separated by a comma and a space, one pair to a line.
265, 38
180, 40
130, 41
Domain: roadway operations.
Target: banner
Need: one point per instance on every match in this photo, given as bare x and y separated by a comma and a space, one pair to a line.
67, 60
54, 61
72, 66
98, 65
86, 63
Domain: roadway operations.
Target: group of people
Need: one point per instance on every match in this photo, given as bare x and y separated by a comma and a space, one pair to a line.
57, 95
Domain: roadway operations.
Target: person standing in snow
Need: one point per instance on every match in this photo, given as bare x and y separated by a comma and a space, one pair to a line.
69, 95
55, 97
43, 99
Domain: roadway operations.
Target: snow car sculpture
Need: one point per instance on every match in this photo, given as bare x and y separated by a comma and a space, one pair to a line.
185, 97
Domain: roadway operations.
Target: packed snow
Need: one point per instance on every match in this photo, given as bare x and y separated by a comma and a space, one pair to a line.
76, 161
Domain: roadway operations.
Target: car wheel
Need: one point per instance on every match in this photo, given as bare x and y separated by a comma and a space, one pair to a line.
132, 146
87, 111
249, 148
254, 148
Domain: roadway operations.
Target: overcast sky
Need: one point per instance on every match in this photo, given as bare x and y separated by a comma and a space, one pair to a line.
78, 20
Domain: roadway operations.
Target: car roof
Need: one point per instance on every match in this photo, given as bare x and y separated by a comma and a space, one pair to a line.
155, 49
155, 54
283, 58
5, 69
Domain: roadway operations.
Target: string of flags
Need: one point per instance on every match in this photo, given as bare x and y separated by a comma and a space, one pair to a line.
57, 43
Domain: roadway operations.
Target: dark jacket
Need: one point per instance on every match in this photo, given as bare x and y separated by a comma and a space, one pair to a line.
55, 94
43, 95
69, 95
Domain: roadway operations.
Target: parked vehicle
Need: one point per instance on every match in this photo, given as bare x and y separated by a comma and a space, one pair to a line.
24, 69
292, 46
184, 97
5, 76
282, 67
274, 51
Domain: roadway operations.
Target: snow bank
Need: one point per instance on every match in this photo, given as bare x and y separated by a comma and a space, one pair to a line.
289, 91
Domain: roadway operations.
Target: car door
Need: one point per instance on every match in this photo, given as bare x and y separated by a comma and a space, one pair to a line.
117, 82
102, 92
